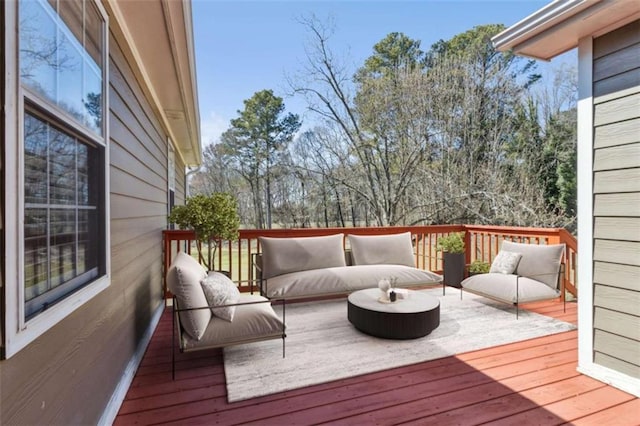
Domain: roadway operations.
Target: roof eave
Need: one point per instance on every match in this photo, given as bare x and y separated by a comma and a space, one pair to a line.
559, 26
161, 55
539, 21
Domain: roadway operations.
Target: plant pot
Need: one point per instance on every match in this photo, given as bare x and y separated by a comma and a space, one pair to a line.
453, 268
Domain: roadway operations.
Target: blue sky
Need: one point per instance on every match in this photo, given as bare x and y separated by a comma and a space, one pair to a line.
246, 46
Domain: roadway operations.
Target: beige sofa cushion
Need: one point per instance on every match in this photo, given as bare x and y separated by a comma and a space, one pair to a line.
345, 279
503, 287
286, 255
393, 249
251, 322
183, 280
538, 262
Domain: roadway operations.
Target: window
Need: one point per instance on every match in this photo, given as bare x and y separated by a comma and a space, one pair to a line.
61, 161
60, 58
62, 198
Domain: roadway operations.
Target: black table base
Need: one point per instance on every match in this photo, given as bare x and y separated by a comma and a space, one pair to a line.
394, 325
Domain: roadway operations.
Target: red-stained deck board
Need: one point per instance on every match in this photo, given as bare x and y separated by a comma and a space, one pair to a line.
626, 413
419, 404
506, 408
529, 382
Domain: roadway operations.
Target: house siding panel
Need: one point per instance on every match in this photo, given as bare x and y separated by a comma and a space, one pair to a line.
616, 177
617, 83
626, 180
627, 368
624, 348
83, 357
617, 62
620, 109
618, 228
626, 204
616, 134
617, 157
622, 276
617, 40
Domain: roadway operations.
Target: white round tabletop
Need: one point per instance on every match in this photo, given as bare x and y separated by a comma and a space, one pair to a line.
415, 301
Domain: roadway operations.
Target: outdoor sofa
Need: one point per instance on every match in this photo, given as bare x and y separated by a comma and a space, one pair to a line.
305, 267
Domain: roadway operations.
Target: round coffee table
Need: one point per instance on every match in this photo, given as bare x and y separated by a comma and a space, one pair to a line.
409, 318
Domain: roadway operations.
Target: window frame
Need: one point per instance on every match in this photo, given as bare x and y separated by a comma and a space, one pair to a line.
20, 331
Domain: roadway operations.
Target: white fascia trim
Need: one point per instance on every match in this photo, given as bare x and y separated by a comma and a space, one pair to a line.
613, 378
585, 201
195, 116
115, 402
537, 22
134, 58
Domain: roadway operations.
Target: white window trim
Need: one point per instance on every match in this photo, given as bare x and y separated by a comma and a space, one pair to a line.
19, 333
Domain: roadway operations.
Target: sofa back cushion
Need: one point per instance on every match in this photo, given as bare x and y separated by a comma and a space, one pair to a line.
285, 255
392, 249
183, 280
538, 262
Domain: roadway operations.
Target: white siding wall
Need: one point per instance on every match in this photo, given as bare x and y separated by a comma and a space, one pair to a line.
616, 200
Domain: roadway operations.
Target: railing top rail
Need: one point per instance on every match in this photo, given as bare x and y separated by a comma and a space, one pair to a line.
179, 234
512, 230
292, 232
377, 230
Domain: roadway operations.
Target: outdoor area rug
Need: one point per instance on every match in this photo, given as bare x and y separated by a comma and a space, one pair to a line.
323, 346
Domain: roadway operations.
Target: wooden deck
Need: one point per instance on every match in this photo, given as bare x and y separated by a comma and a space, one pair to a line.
534, 382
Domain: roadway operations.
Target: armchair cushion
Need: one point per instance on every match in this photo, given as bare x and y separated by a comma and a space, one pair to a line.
220, 290
393, 249
538, 262
505, 262
503, 287
251, 323
183, 280
284, 255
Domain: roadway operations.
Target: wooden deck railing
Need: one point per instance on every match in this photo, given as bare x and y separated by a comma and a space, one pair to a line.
481, 242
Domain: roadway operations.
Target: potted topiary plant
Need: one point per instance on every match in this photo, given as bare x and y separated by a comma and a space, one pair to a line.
478, 267
452, 247
212, 217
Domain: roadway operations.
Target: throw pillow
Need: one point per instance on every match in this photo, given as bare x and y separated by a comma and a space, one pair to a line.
220, 290
285, 255
393, 249
505, 262
183, 280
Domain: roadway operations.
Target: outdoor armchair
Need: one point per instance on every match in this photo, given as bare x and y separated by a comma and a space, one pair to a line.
533, 273
199, 323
